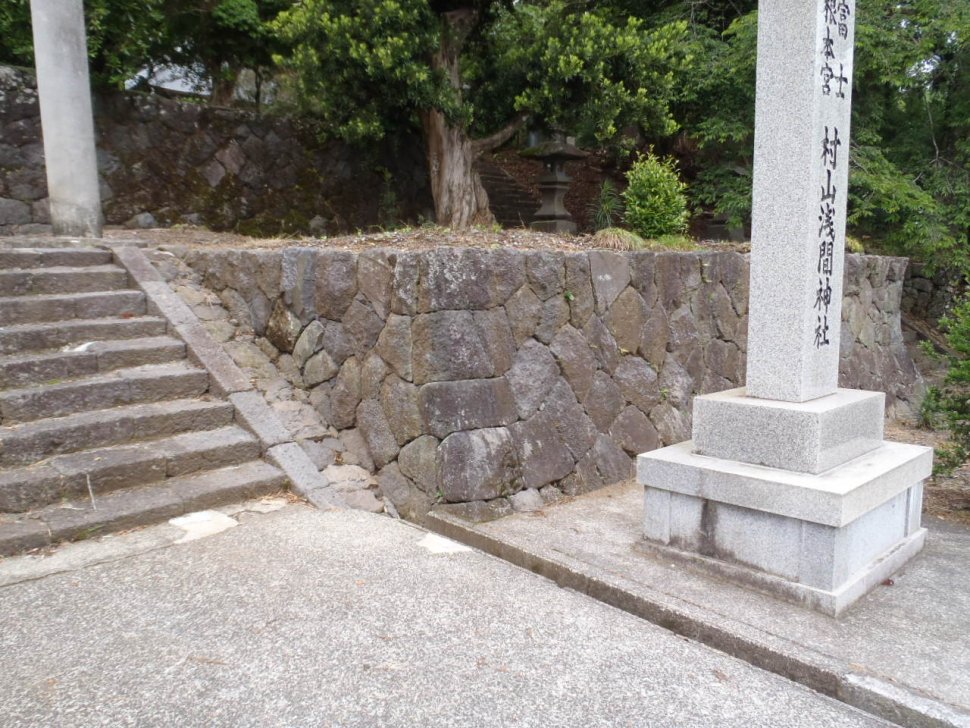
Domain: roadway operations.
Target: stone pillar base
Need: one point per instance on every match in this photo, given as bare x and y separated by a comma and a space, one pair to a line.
819, 539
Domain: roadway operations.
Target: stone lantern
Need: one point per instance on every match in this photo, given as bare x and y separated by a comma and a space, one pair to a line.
552, 216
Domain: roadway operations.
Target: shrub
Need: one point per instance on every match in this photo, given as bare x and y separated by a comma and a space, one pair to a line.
948, 405
655, 201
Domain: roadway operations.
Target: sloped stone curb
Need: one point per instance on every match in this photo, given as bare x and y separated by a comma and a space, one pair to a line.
228, 380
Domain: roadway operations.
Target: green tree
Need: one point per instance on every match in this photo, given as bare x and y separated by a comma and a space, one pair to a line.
218, 39
213, 40
470, 74
121, 35
910, 156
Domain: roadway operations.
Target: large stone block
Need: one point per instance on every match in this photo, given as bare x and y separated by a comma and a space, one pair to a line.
610, 274
372, 374
375, 272
604, 401
532, 375
625, 320
447, 407
575, 428
283, 327
576, 360
345, 395
298, 274
309, 342
363, 326
404, 284
468, 278
833, 498
419, 462
632, 431
542, 454
394, 345
612, 463
546, 273
602, 344
555, 315
399, 399
373, 425
319, 368
478, 465
638, 382
525, 313
446, 346
579, 289
808, 437
493, 325
335, 283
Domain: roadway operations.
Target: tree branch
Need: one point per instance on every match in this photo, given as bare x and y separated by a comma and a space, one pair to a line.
494, 141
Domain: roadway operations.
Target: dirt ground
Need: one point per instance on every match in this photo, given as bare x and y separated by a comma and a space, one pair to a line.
946, 497
420, 238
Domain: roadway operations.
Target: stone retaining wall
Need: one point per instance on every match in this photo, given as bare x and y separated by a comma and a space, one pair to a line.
475, 375
930, 296
163, 162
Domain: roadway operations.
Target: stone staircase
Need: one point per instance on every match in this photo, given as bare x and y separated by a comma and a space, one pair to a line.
511, 203
105, 423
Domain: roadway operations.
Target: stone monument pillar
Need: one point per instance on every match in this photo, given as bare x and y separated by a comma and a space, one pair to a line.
787, 485
60, 50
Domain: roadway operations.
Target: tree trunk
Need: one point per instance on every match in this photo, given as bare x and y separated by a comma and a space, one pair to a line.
460, 199
223, 86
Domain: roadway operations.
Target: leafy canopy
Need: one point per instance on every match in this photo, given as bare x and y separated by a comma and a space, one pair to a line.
573, 69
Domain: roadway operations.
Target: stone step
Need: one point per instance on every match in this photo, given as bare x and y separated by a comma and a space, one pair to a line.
62, 279
23, 338
30, 442
53, 257
21, 370
131, 507
107, 469
65, 306
149, 383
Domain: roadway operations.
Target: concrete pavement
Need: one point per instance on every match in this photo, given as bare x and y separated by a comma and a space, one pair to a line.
902, 651
299, 617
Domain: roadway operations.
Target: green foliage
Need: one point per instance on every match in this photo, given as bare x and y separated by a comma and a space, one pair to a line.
121, 35
655, 201
566, 66
583, 70
217, 39
948, 406
910, 156
606, 209
363, 79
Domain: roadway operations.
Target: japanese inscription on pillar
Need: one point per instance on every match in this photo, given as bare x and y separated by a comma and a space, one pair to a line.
834, 59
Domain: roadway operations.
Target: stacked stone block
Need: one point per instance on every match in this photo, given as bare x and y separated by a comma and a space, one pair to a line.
163, 162
474, 375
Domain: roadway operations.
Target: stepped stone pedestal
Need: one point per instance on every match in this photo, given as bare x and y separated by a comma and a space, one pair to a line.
803, 500
787, 484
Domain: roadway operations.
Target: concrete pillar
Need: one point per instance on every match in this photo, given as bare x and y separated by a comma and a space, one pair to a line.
64, 88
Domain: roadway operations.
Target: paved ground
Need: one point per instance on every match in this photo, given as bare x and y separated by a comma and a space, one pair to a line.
298, 617
907, 643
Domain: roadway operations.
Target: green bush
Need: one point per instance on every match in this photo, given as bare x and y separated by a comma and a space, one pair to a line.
948, 406
655, 201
